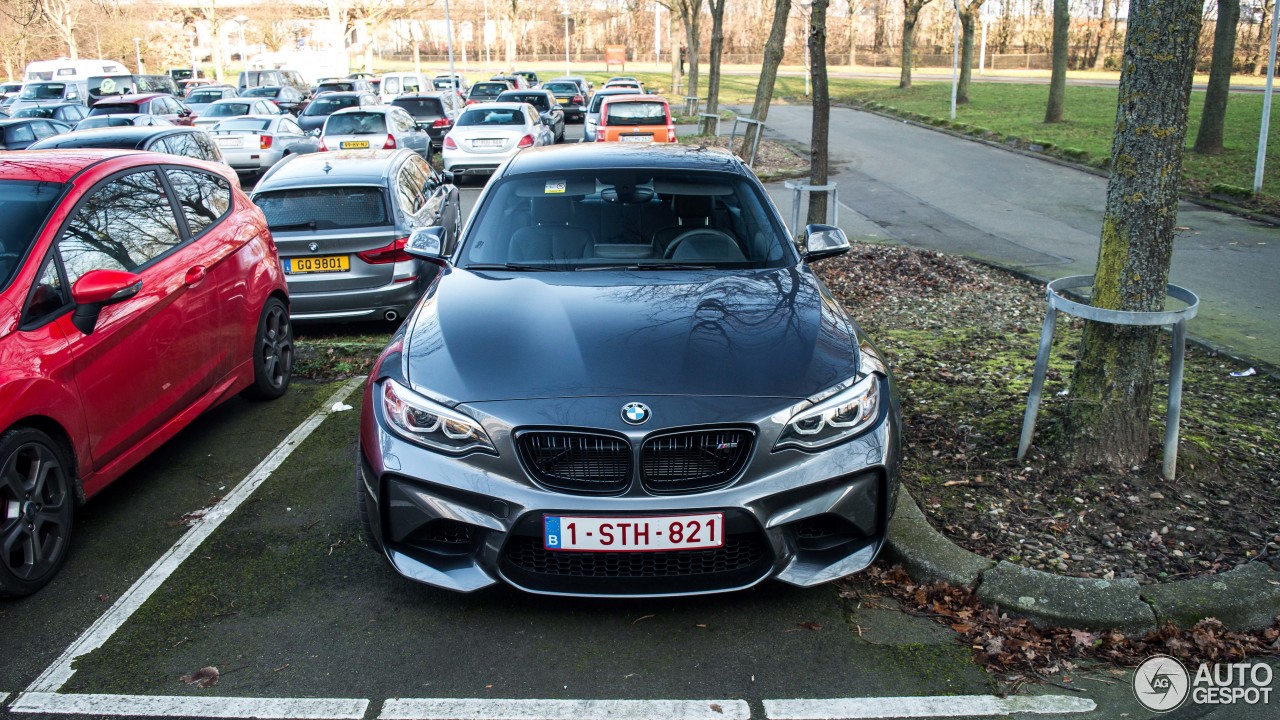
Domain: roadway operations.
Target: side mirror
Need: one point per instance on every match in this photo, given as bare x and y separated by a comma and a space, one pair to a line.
97, 289
447, 177
823, 241
184, 112
426, 244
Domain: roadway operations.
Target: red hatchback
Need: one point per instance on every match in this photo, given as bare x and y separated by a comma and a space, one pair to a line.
137, 290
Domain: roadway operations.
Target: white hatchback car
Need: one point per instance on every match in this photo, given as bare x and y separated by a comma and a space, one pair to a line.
219, 110
377, 127
485, 136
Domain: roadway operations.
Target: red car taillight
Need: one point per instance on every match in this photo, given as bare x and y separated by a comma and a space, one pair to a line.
671, 133
323, 147
389, 254
390, 144
526, 141
577, 100
264, 142
471, 102
449, 144
442, 122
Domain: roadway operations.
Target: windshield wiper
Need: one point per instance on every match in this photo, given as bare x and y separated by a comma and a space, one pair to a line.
511, 266
649, 266
309, 225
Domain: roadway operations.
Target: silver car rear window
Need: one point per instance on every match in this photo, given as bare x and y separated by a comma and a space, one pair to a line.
329, 208
356, 124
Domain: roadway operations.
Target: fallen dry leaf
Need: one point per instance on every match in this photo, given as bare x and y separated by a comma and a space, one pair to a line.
205, 677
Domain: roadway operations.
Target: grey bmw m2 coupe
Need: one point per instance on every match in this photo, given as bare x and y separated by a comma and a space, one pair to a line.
627, 381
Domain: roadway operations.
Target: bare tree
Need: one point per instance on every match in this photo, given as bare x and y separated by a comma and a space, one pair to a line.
61, 16
1058, 79
773, 50
717, 50
821, 110
968, 18
1214, 115
1107, 421
910, 17
690, 14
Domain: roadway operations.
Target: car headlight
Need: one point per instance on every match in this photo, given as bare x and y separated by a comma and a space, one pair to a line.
430, 424
838, 418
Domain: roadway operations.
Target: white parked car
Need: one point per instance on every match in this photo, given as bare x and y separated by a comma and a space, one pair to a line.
394, 85
378, 127
220, 110
254, 143
485, 136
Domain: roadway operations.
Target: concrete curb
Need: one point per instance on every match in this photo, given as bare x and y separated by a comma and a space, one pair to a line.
1244, 599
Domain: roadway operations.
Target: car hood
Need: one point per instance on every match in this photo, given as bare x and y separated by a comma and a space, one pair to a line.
484, 336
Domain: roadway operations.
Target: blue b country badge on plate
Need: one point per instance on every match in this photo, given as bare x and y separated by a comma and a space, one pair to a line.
551, 531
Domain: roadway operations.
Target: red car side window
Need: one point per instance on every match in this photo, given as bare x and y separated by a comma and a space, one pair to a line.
125, 223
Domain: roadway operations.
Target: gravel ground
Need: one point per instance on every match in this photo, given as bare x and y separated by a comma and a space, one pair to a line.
963, 337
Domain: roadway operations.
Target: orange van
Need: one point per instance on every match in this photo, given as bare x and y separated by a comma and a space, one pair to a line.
635, 118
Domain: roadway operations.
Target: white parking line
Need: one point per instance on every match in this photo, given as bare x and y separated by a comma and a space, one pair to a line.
205, 707
482, 709
3, 696
924, 707
61, 671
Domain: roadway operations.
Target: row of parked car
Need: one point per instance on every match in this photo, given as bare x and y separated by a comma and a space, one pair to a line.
562, 459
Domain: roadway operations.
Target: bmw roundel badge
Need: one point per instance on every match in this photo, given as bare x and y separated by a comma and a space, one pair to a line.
635, 413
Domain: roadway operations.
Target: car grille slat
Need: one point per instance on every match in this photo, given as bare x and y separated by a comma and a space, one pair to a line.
577, 462
740, 552
693, 461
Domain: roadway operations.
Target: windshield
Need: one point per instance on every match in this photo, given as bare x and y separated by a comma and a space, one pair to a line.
329, 105
491, 116
263, 91
336, 87
104, 121
537, 100
326, 208
598, 100
243, 125
43, 91
227, 110
657, 219
113, 85
566, 88
636, 113
204, 96
24, 205
420, 107
356, 123
488, 90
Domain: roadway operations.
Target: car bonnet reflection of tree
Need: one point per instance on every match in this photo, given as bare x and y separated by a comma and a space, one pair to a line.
124, 224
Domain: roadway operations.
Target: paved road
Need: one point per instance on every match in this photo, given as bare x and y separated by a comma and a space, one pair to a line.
933, 190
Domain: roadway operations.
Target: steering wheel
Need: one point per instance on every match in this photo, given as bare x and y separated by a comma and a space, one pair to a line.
675, 242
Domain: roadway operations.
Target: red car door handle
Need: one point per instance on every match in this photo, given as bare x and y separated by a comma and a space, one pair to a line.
195, 275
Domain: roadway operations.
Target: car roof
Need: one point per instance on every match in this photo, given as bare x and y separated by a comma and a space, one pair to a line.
131, 98
347, 93
498, 106
420, 95
635, 97
125, 136
58, 166
622, 156
340, 167
384, 109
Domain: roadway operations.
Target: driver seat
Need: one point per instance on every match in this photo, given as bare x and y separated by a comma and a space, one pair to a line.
691, 211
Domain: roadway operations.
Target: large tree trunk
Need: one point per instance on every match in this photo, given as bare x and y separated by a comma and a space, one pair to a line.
855, 7
773, 49
821, 111
61, 16
713, 75
910, 16
1107, 421
1058, 79
1214, 115
968, 19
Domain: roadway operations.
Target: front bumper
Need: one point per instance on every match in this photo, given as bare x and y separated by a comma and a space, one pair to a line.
467, 523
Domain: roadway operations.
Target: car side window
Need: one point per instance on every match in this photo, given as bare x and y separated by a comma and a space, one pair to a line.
409, 185
289, 126
208, 151
204, 198
183, 144
124, 223
20, 133
48, 294
43, 130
